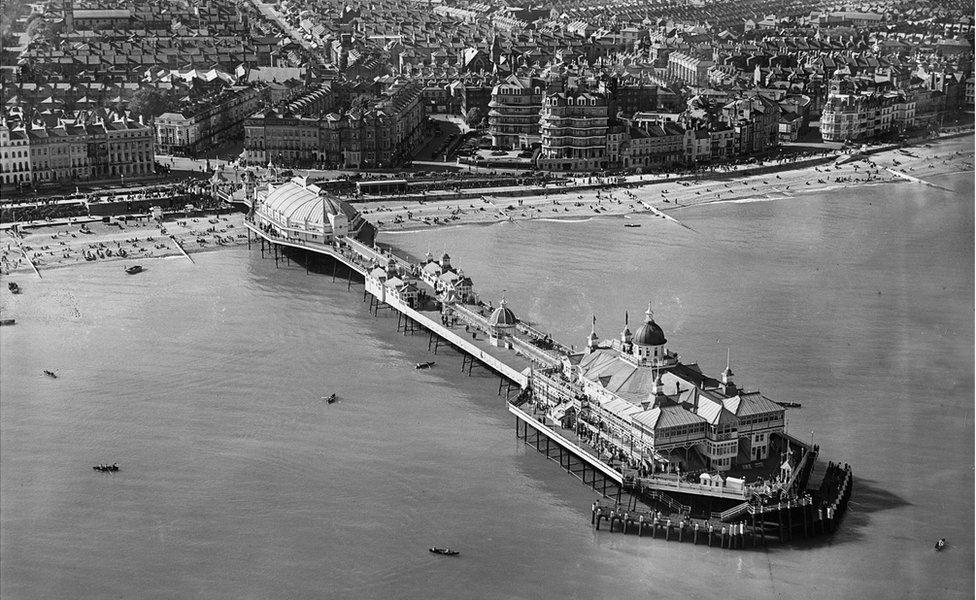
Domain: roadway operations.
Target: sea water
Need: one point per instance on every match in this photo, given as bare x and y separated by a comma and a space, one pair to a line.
205, 382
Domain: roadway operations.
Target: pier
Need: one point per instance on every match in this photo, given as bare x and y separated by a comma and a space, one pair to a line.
362, 259
434, 297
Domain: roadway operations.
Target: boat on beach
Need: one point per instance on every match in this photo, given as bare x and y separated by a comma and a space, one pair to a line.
134, 269
444, 551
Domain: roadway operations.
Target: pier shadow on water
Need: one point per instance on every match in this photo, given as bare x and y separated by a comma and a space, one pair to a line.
867, 498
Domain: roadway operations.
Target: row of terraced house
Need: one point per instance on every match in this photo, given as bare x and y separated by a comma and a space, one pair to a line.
95, 149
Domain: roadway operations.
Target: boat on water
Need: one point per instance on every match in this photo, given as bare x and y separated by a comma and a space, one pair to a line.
790, 404
939, 545
112, 468
331, 399
444, 551
134, 269
425, 365
7, 321
13, 287
51, 374
632, 224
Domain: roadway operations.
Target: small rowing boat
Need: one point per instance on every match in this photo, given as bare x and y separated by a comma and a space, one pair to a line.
939, 545
444, 551
134, 269
425, 365
632, 224
331, 399
13, 287
51, 374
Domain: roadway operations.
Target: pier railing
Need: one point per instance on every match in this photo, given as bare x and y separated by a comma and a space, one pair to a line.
535, 353
576, 449
676, 485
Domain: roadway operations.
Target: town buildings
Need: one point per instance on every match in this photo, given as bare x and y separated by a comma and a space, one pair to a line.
849, 115
95, 149
731, 83
573, 128
206, 121
15, 164
513, 115
380, 130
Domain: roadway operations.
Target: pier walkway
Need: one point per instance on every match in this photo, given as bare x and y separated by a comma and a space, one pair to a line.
361, 258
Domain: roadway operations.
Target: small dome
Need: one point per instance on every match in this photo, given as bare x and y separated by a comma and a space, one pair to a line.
649, 333
503, 317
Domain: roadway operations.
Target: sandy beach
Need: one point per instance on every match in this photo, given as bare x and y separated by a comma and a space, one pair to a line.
82, 241
943, 157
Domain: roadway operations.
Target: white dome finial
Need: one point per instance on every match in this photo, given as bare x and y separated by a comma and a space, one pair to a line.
649, 312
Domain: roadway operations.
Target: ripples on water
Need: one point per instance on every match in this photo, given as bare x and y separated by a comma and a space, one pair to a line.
206, 382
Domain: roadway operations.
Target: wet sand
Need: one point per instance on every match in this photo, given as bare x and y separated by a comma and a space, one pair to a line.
948, 156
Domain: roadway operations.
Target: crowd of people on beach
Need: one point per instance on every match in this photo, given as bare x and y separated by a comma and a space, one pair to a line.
23, 248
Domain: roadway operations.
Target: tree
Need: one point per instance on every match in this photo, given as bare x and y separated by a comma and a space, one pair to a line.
40, 28
474, 117
149, 103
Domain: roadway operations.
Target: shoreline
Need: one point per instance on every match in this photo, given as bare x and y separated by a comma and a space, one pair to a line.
61, 245
941, 157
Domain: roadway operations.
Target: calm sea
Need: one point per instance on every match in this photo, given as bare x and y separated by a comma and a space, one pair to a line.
205, 382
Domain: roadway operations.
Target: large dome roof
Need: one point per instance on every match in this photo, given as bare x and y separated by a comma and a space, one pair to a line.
503, 317
307, 206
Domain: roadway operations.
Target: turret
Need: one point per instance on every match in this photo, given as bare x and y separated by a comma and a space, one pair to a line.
593, 340
625, 334
445, 262
728, 386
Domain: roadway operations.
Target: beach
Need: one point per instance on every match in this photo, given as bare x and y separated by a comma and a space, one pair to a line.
67, 243
81, 241
657, 194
